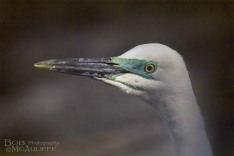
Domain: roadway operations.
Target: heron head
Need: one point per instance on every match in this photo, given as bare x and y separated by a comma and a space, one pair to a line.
143, 69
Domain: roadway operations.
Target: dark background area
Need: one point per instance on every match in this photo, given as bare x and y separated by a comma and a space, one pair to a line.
90, 118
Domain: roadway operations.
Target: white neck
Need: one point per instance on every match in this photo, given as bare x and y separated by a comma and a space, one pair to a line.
181, 115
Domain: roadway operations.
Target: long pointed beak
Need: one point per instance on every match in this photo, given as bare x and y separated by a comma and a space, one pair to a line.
89, 67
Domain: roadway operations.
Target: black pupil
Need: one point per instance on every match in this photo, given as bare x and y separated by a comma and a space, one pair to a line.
149, 68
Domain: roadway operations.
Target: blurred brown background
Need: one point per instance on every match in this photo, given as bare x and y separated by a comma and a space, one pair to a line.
90, 118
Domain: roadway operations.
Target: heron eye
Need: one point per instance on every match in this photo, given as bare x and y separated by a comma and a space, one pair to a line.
150, 68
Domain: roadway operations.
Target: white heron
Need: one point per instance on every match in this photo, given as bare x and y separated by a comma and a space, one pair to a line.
158, 75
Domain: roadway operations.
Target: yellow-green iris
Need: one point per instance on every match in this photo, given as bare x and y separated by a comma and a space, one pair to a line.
149, 68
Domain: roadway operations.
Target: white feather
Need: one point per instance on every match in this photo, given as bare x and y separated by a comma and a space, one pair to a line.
171, 93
